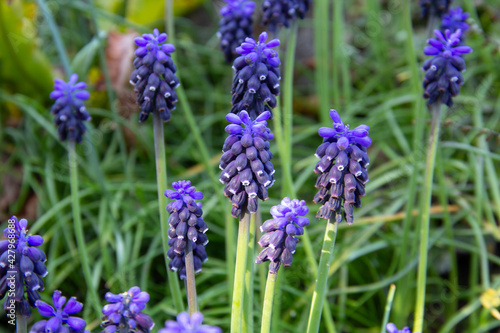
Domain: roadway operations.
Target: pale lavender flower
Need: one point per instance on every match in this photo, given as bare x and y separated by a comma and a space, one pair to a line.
188, 324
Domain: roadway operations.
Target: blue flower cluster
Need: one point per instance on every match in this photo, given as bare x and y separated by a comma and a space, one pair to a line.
186, 225
443, 76
341, 171
234, 26
391, 328
455, 19
279, 233
124, 313
22, 267
154, 76
68, 109
279, 13
246, 164
60, 320
187, 324
256, 77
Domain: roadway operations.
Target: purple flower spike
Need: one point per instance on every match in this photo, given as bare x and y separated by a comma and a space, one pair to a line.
443, 76
391, 328
247, 171
434, 7
341, 171
61, 319
234, 26
279, 234
154, 77
256, 77
186, 225
22, 267
455, 19
123, 314
68, 109
279, 13
187, 324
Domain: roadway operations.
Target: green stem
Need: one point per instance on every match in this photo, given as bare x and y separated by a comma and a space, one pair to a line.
267, 310
21, 324
388, 307
249, 287
288, 111
57, 37
322, 277
161, 179
425, 219
241, 264
401, 299
190, 280
80, 239
205, 156
340, 56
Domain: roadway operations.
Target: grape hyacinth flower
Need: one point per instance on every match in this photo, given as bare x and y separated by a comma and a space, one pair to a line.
434, 7
124, 313
186, 224
154, 77
246, 164
455, 19
60, 317
22, 267
256, 77
279, 233
187, 324
391, 328
68, 109
235, 25
341, 171
279, 13
443, 76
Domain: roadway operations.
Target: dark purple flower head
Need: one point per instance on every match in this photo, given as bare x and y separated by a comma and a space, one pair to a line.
123, 314
443, 76
454, 20
235, 25
256, 77
279, 234
279, 13
186, 225
60, 317
434, 7
154, 77
68, 109
341, 171
247, 171
22, 267
187, 324
391, 328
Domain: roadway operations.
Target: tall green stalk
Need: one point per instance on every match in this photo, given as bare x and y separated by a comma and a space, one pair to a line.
161, 179
77, 218
425, 217
388, 307
268, 303
190, 281
241, 265
249, 272
21, 324
320, 288
321, 33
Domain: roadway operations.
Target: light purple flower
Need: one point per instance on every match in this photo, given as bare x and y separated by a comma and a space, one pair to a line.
455, 19
391, 328
187, 324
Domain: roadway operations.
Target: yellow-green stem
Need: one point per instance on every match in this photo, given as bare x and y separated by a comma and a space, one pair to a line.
190, 281
425, 218
21, 324
388, 306
320, 287
267, 309
77, 219
239, 279
161, 180
249, 290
